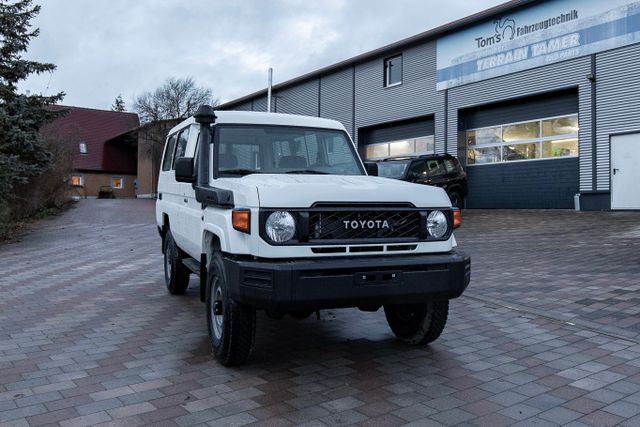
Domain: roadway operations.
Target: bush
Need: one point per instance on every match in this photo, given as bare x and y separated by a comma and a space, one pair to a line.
42, 195
5, 219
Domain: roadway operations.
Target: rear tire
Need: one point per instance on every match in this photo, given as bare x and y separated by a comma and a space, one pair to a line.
232, 326
417, 324
176, 274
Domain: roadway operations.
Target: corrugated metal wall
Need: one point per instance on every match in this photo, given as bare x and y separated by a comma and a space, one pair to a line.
260, 104
300, 99
336, 98
538, 80
618, 102
416, 96
246, 106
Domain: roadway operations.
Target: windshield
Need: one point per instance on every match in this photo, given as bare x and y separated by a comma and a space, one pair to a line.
392, 169
246, 149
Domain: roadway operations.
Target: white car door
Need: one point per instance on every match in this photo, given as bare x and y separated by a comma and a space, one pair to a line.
175, 193
192, 210
168, 192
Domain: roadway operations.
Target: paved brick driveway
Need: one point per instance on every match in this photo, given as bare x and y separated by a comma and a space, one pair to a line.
547, 334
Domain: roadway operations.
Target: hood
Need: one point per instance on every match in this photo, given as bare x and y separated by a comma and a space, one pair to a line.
301, 191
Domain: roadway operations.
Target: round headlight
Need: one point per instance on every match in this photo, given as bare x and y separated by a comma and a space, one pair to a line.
437, 224
280, 226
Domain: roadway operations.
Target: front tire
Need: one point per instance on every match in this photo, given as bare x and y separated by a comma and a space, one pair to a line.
176, 274
232, 326
457, 201
417, 324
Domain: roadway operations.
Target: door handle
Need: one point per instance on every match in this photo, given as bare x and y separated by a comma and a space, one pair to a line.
186, 201
615, 170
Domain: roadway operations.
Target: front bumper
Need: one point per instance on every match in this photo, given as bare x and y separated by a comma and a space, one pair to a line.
312, 284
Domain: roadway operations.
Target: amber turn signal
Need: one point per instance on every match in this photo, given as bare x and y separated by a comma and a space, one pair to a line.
457, 218
241, 220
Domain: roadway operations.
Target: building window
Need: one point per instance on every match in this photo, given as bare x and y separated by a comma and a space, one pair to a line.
404, 147
77, 181
83, 148
546, 138
117, 182
393, 71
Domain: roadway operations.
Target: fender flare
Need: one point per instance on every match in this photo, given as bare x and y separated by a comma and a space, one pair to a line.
213, 239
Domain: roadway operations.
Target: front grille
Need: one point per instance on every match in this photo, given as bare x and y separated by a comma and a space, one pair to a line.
364, 225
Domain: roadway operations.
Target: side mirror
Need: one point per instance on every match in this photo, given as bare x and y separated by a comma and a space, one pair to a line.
184, 170
371, 168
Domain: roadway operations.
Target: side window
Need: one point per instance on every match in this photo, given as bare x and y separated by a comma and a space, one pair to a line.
195, 154
181, 145
449, 165
435, 168
418, 169
168, 153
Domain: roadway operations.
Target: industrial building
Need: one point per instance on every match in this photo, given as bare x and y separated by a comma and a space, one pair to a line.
538, 99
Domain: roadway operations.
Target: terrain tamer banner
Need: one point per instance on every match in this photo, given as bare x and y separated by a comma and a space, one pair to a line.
535, 36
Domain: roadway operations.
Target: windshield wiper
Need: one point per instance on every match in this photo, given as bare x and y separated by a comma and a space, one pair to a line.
308, 171
241, 172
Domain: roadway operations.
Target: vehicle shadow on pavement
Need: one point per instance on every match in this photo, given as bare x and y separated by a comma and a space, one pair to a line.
340, 337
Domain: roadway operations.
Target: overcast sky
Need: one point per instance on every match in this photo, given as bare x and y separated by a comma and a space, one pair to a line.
108, 47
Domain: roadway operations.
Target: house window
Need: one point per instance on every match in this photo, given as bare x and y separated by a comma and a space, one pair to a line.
393, 71
83, 148
405, 147
546, 138
117, 182
77, 180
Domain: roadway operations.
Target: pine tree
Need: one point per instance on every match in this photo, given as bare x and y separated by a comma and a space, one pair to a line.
118, 104
22, 153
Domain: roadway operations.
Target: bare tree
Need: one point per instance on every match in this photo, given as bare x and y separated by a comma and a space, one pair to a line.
177, 98
151, 138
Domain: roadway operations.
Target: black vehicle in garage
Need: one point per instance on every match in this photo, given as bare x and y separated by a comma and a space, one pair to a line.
440, 170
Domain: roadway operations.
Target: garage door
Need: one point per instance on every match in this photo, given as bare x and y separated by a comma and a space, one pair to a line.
522, 154
397, 139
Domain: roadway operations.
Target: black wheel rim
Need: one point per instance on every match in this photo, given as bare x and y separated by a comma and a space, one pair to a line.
405, 312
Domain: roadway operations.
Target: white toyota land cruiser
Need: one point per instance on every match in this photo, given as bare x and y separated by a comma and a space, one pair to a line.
276, 212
